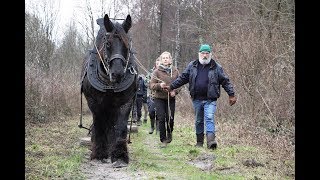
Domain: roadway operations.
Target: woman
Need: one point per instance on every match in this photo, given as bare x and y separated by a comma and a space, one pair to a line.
164, 101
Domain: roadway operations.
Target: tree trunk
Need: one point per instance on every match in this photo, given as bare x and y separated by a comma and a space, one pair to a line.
177, 49
160, 27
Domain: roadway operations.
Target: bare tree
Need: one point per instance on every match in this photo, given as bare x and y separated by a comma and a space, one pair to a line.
41, 37
177, 47
160, 25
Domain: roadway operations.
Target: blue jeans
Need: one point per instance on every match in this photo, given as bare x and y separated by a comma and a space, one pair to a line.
204, 112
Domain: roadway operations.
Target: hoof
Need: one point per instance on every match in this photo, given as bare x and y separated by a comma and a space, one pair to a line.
163, 144
199, 144
169, 139
104, 160
119, 164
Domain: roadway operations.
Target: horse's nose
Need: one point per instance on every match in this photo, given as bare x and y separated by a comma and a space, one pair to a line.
117, 76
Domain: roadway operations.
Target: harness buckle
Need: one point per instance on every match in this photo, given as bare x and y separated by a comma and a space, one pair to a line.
132, 70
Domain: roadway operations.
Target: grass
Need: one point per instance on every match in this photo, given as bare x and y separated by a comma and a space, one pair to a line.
52, 151
173, 162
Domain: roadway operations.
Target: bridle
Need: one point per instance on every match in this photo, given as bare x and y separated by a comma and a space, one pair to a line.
128, 44
107, 44
109, 37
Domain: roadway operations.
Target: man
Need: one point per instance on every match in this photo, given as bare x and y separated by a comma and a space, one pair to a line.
150, 96
144, 101
205, 76
140, 97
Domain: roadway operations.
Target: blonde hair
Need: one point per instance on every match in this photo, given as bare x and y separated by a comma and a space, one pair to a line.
165, 52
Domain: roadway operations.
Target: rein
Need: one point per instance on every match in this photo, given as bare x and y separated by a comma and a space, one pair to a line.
80, 124
132, 114
105, 68
128, 45
168, 94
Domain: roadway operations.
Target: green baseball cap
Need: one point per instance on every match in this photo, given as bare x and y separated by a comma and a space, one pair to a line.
205, 47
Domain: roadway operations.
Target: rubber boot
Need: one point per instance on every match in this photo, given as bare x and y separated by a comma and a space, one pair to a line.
211, 142
200, 138
152, 126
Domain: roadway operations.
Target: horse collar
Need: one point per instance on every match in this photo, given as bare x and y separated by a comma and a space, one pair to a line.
100, 81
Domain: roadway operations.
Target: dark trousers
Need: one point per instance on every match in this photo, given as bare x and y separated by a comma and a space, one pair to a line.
151, 108
165, 123
152, 113
137, 108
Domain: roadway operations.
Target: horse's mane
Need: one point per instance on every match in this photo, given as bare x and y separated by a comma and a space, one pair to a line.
110, 89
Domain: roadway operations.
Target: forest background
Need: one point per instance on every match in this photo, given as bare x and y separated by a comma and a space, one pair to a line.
254, 40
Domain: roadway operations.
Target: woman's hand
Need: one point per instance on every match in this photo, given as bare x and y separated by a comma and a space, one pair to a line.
162, 85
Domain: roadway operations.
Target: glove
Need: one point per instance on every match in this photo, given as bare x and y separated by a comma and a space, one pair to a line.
232, 100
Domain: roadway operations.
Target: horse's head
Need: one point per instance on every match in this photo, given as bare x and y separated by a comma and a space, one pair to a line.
115, 49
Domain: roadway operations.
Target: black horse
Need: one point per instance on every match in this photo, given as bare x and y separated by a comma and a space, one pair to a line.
109, 84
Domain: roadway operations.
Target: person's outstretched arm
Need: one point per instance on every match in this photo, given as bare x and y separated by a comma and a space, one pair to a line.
227, 86
182, 79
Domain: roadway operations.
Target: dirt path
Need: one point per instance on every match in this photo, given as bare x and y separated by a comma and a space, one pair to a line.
101, 170
148, 161
98, 170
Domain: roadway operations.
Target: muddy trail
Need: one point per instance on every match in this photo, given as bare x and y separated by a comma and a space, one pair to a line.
103, 169
241, 154
99, 170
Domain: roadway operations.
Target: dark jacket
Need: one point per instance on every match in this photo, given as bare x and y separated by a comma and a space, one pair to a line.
142, 88
216, 76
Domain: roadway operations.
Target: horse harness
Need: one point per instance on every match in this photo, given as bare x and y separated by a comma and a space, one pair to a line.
98, 78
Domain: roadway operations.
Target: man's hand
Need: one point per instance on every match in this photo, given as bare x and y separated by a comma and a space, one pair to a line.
232, 100
172, 93
165, 87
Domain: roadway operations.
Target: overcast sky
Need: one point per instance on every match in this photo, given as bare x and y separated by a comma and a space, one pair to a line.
67, 10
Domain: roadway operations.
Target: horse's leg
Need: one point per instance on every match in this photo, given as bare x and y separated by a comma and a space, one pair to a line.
119, 153
101, 124
99, 136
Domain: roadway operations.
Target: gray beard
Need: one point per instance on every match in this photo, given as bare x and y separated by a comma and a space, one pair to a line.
204, 61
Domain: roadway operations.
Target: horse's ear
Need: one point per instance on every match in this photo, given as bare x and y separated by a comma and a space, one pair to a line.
127, 23
107, 23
